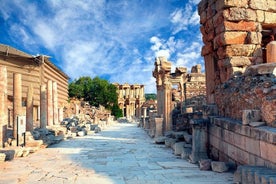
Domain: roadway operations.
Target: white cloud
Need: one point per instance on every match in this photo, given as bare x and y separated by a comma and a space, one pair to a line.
118, 39
182, 18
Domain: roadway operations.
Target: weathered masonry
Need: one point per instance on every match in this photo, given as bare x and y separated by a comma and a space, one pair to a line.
130, 99
239, 52
32, 87
177, 92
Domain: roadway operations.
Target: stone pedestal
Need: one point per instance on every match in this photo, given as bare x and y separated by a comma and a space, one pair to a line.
271, 52
43, 106
158, 127
3, 105
29, 109
50, 112
17, 100
199, 142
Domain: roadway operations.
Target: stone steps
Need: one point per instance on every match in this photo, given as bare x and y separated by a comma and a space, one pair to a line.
255, 175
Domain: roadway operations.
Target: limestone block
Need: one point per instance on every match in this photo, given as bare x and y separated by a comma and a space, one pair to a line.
261, 69
238, 14
258, 4
178, 148
160, 140
260, 15
236, 61
268, 151
222, 4
257, 124
271, 5
2, 157
270, 18
228, 38
240, 26
169, 142
186, 153
219, 166
249, 116
205, 164
254, 38
188, 138
81, 133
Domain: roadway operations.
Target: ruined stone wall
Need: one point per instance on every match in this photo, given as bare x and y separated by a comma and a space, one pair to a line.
233, 37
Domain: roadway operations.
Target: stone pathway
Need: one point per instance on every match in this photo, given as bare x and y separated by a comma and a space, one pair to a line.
122, 154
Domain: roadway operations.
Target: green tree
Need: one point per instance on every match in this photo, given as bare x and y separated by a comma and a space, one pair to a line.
98, 92
149, 96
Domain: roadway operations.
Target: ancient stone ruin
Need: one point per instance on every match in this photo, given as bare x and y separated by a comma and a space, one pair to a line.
130, 99
236, 124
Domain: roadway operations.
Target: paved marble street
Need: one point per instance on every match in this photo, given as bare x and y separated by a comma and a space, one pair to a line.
122, 154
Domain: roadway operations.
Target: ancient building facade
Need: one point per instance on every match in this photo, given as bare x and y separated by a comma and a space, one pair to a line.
130, 99
32, 87
239, 37
177, 91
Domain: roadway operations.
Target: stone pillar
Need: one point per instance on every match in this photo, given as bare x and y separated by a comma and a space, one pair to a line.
55, 103
43, 106
3, 105
158, 127
29, 109
60, 114
199, 140
271, 52
50, 112
167, 108
17, 100
144, 116
77, 109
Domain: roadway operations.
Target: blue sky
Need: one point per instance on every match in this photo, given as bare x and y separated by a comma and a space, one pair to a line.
117, 40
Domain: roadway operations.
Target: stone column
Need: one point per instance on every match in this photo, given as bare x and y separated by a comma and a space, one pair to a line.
55, 101
17, 100
144, 116
77, 109
43, 106
3, 105
60, 114
50, 112
29, 109
199, 140
167, 108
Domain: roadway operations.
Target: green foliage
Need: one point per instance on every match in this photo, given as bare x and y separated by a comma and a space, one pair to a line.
150, 96
98, 92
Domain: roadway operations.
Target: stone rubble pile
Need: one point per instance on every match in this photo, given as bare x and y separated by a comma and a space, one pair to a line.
255, 90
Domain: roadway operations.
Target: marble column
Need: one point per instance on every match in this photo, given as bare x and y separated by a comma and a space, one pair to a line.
55, 101
3, 105
144, 116
17, 100
43, 106
29, 109
50, 112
